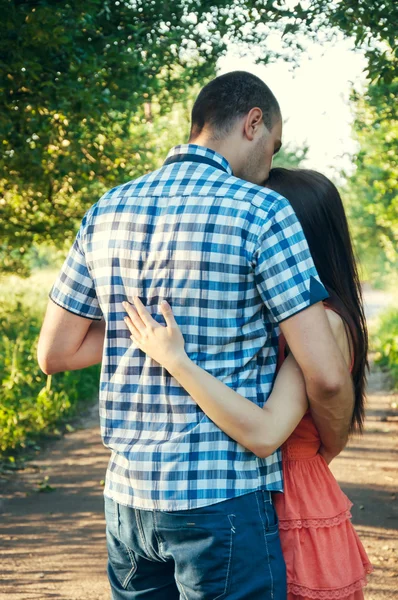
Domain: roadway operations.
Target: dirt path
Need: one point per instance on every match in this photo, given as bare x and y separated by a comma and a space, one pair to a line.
367, 472
53, 544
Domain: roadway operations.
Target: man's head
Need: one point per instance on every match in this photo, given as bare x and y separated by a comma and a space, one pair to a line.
237, 115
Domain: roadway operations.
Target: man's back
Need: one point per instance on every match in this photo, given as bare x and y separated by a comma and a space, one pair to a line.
232, 260
219, 250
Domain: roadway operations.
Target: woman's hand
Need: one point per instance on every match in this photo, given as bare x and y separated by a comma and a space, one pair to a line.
165, 344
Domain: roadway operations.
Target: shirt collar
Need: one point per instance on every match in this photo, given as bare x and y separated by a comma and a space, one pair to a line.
195, 153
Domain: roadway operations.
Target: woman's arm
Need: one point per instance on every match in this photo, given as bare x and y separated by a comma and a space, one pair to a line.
261, 430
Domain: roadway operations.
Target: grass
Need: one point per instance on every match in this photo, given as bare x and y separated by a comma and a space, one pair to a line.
32, 405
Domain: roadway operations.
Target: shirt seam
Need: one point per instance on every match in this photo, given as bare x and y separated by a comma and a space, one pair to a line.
73, 311
310, 303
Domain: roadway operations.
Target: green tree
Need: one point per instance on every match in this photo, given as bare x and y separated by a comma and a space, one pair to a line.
372, 24
74, 81
372, 193
290, 157
77, 80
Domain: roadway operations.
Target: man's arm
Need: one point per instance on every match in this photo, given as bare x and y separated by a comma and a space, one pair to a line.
292, 292
328, 381
68, 342
72, 334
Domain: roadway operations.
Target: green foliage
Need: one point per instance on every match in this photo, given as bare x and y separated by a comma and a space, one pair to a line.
30, 402
290, 157
142, 150
45, 256
75, 80
385, 343
372, 198
78, 80
372, 25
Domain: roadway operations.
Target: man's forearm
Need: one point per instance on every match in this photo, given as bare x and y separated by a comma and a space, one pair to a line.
319, 343
332, 414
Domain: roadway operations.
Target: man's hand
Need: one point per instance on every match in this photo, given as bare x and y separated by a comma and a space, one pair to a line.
69, 342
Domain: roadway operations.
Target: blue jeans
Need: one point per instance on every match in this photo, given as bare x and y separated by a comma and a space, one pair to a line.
226, 550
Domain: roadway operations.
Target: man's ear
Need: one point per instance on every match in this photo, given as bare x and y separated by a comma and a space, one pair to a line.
252, 123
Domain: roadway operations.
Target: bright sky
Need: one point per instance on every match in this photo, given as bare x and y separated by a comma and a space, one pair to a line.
314, 99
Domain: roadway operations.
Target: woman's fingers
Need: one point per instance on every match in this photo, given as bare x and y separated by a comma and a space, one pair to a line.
144, 314
168, 314
142, 319
135, 317
132, 328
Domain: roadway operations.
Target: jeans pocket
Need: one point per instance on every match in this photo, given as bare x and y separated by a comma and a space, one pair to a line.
202, 548
121, 559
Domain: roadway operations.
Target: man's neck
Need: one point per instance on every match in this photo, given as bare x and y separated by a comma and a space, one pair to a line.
220, 146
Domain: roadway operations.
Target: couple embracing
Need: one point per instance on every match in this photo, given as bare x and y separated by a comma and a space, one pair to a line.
223, 300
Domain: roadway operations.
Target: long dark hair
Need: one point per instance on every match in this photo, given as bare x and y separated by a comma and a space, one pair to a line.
320, 210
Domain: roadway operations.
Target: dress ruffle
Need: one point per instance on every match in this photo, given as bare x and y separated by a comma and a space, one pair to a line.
315, 523
326, 562
342, 593
325, 559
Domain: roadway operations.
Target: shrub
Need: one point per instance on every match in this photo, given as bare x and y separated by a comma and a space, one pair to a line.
385, 343
31, 403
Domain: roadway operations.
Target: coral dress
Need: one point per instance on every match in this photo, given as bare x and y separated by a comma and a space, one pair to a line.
324, 557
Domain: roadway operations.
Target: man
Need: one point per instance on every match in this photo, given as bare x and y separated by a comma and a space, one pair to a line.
189, 511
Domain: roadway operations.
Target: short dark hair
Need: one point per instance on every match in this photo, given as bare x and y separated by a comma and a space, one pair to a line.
228, 97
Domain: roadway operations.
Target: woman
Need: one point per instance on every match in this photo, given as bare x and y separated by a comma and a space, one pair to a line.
323, 554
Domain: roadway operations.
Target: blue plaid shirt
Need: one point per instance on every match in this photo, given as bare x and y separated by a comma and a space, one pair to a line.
231, 259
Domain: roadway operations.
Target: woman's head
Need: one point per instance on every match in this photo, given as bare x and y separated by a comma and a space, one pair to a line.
320, 210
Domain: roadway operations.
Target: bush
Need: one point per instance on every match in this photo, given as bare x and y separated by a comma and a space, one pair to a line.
31, 403
385, 343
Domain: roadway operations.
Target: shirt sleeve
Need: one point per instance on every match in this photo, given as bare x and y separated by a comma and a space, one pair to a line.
74, 288
285, 274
